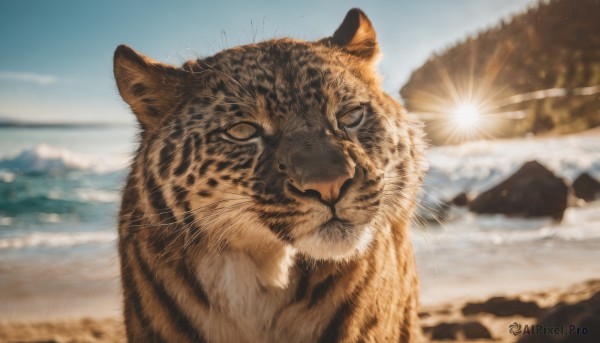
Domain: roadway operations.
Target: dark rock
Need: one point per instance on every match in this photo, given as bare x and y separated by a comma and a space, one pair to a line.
445, 331
584, 315
586, 187
532, 191
580, 339
503, 307
443, 312
460, 200
562, 314
591, 322
426, 330
423, 315
595, 300
450, 331
98, 333
475, 330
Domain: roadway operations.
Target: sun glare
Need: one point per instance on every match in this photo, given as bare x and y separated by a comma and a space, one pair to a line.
464, 110
466, 115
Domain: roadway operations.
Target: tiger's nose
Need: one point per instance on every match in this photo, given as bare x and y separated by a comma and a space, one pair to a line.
329, 191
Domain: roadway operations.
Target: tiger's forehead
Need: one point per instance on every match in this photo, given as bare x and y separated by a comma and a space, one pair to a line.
281, 83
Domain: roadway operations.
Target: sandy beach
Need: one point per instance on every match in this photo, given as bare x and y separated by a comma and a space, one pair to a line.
475, 320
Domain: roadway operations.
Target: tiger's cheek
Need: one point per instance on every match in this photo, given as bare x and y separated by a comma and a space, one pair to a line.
373, 139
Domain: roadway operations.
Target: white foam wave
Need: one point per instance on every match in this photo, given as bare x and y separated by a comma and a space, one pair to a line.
85, 195
5, 221
578, 225
57, 239
476, 166
45, 158
6, 176
546, 233
96, 195
52, 218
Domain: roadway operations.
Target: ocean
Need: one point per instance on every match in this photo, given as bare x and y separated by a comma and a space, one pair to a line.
59, 197
60, 192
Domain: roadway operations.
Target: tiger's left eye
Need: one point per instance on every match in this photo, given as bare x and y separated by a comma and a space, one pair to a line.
242, 131
352, 118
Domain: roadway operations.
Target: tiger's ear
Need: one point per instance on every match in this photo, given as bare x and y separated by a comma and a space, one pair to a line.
356, 36
151, 89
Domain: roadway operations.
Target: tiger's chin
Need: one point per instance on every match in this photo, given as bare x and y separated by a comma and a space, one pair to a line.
336, 240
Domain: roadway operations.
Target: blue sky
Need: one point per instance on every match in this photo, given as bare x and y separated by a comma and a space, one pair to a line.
56, 56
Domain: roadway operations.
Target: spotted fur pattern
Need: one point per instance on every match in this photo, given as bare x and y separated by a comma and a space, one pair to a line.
217, 243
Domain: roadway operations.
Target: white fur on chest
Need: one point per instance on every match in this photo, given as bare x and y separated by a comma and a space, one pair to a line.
245, 293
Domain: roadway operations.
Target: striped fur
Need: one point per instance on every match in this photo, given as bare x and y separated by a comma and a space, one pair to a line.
216, 241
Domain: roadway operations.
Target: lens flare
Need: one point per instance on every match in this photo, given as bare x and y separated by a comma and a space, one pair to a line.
467, 104
466, 115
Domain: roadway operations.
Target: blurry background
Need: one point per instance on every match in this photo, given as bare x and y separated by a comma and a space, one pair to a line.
476, 72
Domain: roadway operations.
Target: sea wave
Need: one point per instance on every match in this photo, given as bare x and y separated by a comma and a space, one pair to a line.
44, 158
86, 195
579, 224
56, 239
477, 166
547, 233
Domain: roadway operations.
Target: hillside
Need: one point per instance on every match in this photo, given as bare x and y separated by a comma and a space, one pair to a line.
538, 72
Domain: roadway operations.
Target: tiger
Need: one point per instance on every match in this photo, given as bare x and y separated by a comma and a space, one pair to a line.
271, 195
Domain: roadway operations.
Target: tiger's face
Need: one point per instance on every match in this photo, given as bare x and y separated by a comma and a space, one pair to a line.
282, 142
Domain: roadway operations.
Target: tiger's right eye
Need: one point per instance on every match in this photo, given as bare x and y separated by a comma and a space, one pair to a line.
351, 119
242, 131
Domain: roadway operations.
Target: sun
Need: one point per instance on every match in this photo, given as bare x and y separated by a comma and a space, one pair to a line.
466, 115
